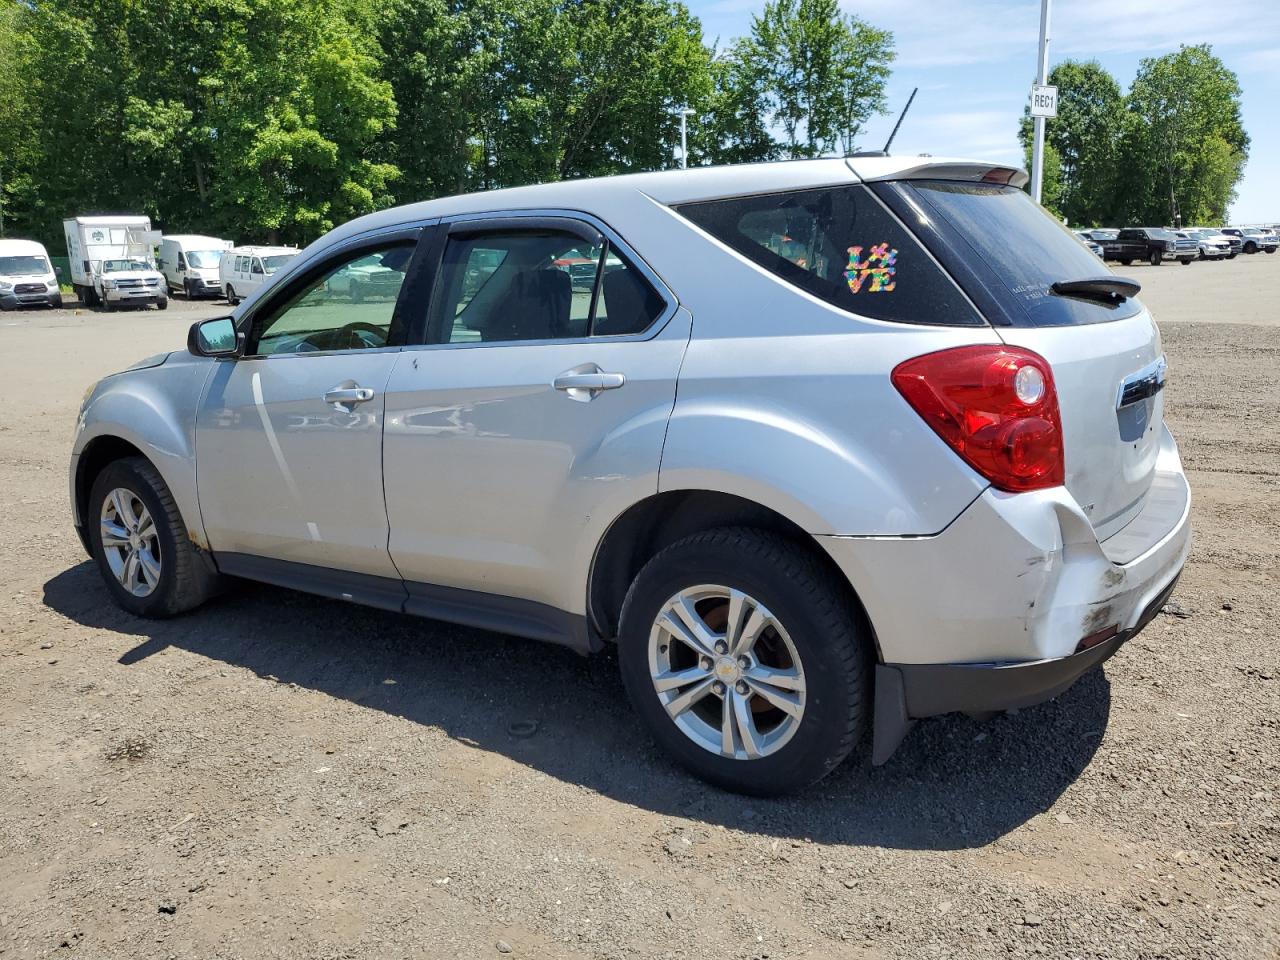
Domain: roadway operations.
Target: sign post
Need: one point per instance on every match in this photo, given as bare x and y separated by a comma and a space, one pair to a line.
1039, 116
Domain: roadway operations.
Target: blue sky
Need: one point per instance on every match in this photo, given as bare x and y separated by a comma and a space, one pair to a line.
974, 61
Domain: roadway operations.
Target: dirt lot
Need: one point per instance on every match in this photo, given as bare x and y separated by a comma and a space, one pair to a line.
281, 776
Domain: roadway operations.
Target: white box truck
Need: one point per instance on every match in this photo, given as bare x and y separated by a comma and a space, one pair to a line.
124, 244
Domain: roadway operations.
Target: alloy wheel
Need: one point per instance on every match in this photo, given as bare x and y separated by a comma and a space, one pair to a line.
726, 672
130, 542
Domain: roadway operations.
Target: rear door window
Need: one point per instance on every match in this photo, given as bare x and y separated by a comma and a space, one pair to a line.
1018, 250
841, 245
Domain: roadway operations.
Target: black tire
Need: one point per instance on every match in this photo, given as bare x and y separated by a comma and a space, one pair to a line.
187, 578
1233, 254
231, 295
815, 610
5, 308
1125, 263
56, 302
106, 305
186, 289
1185, 261
163, 303
88, 296
1250, 247
1271, 249
1155, 258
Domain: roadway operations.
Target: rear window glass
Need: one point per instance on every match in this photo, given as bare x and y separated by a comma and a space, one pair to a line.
842, 246
1014, 239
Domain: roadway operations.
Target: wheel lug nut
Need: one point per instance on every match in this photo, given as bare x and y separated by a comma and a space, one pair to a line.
722, 647
742, 688
705, 663
717, 687
743, 662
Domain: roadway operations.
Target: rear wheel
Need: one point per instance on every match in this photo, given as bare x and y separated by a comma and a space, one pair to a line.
744, 659
1271, 249
140, 542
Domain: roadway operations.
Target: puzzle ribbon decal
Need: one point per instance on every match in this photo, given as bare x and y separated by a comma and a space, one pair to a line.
879, 268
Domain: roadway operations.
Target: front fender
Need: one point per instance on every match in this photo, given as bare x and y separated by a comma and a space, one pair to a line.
153, 409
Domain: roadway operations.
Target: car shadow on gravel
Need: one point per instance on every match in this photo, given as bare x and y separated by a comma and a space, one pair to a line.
954, 783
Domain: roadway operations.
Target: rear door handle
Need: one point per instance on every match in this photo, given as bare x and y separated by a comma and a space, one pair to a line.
348, 396
586, 385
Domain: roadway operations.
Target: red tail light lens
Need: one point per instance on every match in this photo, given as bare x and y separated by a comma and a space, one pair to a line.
995, 406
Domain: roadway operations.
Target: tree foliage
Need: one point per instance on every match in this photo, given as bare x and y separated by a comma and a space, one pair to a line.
807, 69
1171, 151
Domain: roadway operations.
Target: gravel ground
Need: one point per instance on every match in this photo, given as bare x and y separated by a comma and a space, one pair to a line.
282, 776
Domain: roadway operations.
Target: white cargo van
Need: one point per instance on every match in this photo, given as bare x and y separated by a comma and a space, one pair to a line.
93, 241
245, 269
26, 277
189, 263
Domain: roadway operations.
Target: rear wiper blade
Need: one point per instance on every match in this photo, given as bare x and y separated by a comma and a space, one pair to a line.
1106, 289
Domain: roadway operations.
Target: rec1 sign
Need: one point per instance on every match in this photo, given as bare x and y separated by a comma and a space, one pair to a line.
1044, 101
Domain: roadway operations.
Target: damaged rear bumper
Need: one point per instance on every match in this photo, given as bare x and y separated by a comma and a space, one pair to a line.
1013, 601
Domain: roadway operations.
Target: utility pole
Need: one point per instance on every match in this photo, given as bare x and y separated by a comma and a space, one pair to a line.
685, 114
1042, 78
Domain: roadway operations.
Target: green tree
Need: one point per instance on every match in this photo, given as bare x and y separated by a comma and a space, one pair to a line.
821, 73
1085, 137
1189, 136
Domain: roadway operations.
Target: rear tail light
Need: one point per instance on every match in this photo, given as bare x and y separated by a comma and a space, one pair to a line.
995, 406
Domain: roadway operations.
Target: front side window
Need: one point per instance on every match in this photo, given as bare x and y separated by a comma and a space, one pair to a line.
520, 285
256, 266
842, 246
348, 306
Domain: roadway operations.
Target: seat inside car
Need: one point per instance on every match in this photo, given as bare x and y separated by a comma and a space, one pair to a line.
629, 304
534, 307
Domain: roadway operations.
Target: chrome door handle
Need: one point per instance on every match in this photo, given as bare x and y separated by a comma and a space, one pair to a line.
343, 396
591, 382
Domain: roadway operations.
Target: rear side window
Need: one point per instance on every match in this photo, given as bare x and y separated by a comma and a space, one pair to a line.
841, 245
1019, 251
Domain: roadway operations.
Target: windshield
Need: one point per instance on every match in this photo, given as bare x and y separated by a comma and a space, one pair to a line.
123, 266
1157, 234
272, 264
20, 266
204, 259
1026, 249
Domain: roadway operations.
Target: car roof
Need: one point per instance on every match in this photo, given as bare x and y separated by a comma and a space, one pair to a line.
120, 221
261, 251
184, 239
18, 248
672, 187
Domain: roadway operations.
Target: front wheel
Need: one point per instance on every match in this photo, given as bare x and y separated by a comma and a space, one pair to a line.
1125, 263
1250, 248
1185, 261
163, 303
231, 295
1155, 258
746, 661
106, 304
141, 544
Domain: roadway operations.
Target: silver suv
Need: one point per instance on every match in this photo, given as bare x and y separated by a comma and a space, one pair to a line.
822, 447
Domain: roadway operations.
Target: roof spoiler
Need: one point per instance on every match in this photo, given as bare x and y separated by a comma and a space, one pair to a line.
951, 170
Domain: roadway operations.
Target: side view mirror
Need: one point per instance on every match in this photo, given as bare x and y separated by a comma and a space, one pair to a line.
215, 338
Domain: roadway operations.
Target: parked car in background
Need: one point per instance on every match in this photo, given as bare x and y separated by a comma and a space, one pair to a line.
1253, 240
1094, 247
27, 279
92, 240
130, 282
1101, 235
1212, 246
765, 482
190, 262
1152, 244
1235, 243
373, 276
244, 270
